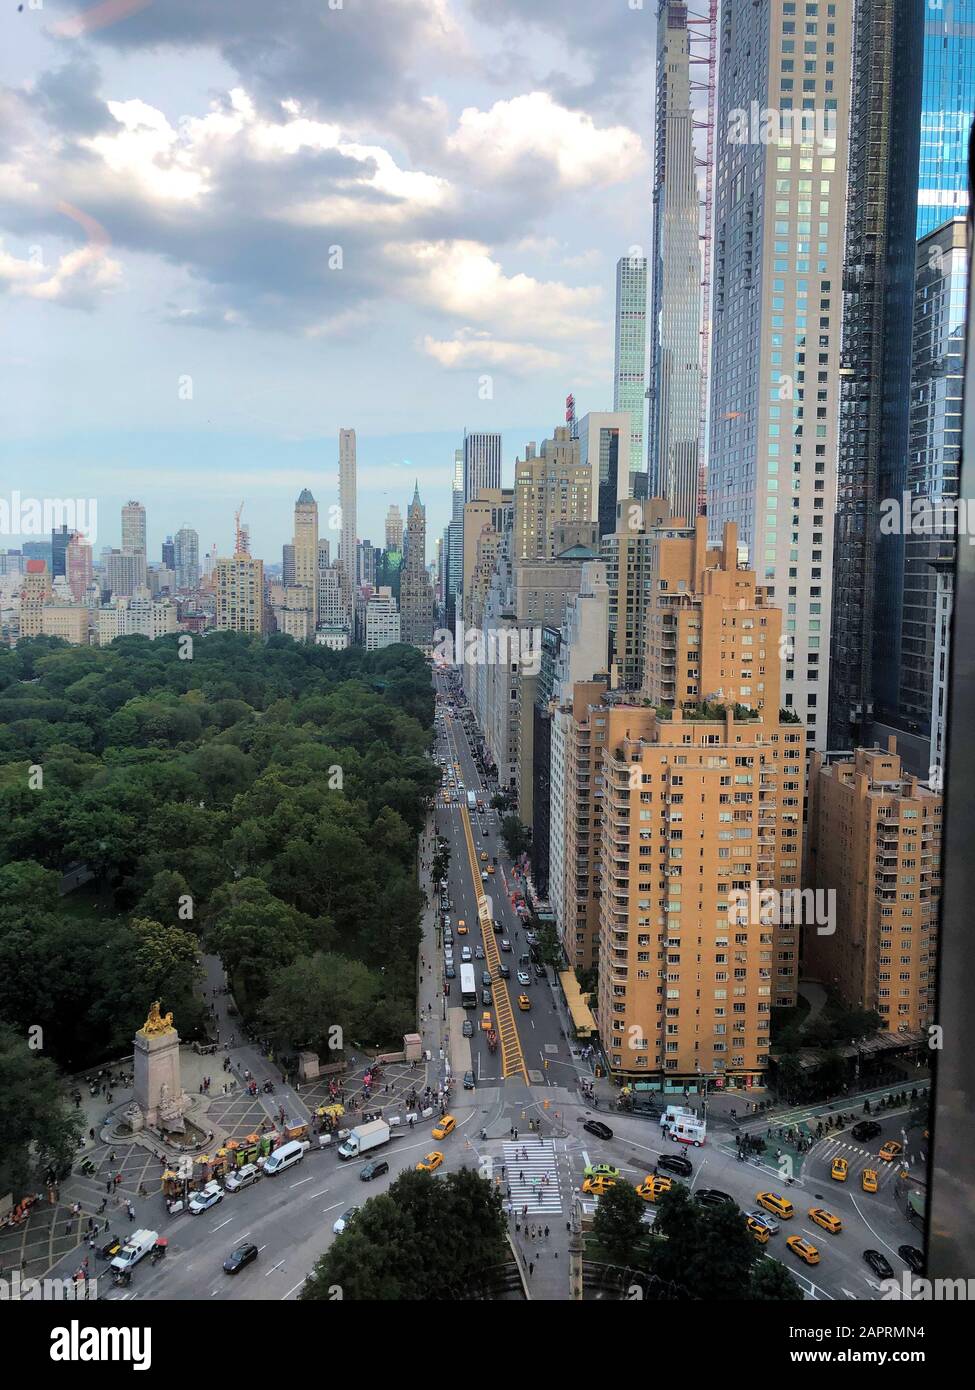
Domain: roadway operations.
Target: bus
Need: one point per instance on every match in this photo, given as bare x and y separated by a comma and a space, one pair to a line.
468, 987
471, 800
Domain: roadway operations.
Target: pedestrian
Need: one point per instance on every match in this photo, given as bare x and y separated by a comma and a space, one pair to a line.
531, 1268
546, 1233
516, 1134
521, 1176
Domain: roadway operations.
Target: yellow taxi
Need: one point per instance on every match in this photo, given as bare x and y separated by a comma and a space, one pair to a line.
444, 1127
486, 1024
490, 868
758, 1229
462, 927
598, 1187
868, 1179
890, 1150
652, 1186
826, 1219
484, 856
524, 1003
431, 1163
839, 1169
803, 1249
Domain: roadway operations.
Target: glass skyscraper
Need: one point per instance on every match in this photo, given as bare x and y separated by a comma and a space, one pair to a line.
947, 110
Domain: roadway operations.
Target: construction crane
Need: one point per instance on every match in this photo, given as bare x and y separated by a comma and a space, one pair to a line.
240, 533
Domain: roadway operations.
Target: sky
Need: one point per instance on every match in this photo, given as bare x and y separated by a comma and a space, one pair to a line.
229, 228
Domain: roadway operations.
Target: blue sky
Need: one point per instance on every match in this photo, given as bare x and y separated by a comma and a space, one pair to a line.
231, 228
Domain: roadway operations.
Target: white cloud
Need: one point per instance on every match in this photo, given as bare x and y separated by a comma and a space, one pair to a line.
77, 275
514, 136
470, 350
461, 278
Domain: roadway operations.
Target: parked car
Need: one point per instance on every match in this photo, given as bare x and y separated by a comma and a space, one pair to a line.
468, 1028
540, 972
237, 1259
880, 1265
206, 1198
912, 1257
598, 1129
242, 1177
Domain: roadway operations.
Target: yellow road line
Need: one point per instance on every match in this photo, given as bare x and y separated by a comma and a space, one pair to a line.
512, 1058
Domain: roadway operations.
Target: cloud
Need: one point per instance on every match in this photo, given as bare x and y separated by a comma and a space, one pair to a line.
76, 281
471, 350
532, 133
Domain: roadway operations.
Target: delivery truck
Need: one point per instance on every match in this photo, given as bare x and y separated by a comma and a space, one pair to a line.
471, 800
363, 1138
138, 1244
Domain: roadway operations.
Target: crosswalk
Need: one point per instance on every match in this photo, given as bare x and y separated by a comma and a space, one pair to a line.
527, 1162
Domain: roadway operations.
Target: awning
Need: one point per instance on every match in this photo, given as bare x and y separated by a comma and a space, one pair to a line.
578, 1005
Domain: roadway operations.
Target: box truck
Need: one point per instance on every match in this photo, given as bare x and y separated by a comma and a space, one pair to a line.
363, 1138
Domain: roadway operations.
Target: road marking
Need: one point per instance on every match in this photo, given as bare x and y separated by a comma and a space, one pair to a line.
291, 1291
222, 1224
331, 1208
319, 1194
279, 1265
302, 1181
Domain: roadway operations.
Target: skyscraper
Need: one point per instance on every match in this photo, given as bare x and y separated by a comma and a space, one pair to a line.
78, 566
347, 507
134, 527
878, 283
629, 380
394, 528
455, 541
168, 553
288, 566
60, 537
416, 595
947, 109
482, 463
780, 199
675, 336
186, 558
240, 593
553, 489
603, 435
306, 551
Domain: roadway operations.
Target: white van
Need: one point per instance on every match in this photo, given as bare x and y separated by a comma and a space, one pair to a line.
242, 1177
138, 1244
285, 1157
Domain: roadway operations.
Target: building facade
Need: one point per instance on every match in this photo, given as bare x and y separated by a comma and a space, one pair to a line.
416, 593
630, 349
239, 593
482, 463
347, 506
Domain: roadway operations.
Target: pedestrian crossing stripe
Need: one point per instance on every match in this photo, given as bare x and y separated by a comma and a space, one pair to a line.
526, 1165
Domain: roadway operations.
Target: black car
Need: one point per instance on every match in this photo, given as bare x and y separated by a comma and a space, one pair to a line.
880, 1265
912, 1257
450, 972
373, 1169
540, 972
485, 977
866, 1129
713, 1197
469, 1082
505, 970
498, 928
597, 1128
243, 1255
675, 1163
486, 998
468, 1028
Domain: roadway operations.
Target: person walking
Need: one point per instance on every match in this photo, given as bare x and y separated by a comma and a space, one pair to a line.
531, 1268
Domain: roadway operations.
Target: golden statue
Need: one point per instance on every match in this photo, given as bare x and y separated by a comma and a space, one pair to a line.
156, 1022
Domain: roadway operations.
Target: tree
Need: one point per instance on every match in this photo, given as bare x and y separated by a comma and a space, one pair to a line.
427, 1239
618, 1223
770, 1281
517, 837
708, 1252
314, 995
40, 1128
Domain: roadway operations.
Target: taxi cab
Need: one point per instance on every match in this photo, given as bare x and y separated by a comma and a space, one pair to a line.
868, 1179
839, 1169
826, 1219
775, 1203
890, 1150
524, 1003
600, 1170
598, 1187
757, 1228
461, 927
486, 1024
652, 1186
803, 1249
431, 1163
484, 856
444, 1127
490, 868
